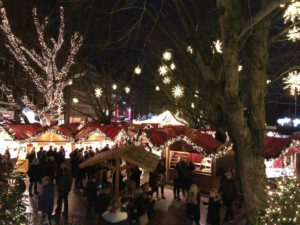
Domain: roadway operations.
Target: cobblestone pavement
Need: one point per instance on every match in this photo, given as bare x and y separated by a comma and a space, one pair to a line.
166, 212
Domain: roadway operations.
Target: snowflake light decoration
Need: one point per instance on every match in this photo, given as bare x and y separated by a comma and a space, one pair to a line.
166, 80
98, 92
178, 91
292, 13
163, 70
167, 55
138, 70
294, 34
172, 66
217, 47
292, 82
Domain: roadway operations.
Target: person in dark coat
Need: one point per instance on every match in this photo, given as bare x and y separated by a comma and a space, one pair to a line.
181, 168
91, 194
161, 178
63, 189
214, 208
46, 199
31, 156
136, 176
228, 191
33, 172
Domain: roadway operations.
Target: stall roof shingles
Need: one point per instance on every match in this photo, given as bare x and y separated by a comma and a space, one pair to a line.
23, 132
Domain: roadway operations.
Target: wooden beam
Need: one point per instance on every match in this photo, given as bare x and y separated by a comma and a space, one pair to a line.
127, 166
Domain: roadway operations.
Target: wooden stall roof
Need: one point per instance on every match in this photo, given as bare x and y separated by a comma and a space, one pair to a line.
132, 154
22, 132
53, 134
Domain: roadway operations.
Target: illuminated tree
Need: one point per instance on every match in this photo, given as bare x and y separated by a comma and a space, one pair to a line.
42, 64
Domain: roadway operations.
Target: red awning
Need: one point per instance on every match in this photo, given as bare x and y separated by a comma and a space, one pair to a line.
275, 145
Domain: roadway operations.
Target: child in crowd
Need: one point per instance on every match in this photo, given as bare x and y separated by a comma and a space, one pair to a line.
214, 207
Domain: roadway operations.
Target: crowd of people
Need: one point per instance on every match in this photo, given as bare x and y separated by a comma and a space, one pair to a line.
134, 205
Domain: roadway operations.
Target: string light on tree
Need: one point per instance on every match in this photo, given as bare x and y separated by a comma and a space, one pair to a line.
98, 92
292, 13
157, 88
178, 91
114, 87
192, 105
70, 82
163, 70
127, 90
240, 68
172, 66
50, 80
166, 80
138, 70
190, 49
167, 55
75, 100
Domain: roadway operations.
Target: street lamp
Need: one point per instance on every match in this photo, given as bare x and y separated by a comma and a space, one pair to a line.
292, 82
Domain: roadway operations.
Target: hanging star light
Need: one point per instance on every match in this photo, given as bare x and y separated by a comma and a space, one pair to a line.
217, 47
114, 86
98, 92
127, 90
292, 13
172, 66
166, 80
292, 82
167, 55
138, 70
50, 80
294, 34
157, 88
178, 91
163, 70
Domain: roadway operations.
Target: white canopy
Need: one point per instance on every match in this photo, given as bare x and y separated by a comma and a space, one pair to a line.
166, 118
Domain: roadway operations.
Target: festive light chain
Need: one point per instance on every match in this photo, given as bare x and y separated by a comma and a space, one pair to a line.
52, 130
52, 84
93, 132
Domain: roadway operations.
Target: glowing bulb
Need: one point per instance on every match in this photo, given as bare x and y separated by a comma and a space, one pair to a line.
294, 34
138, 70
157, 88
98, 92
172, 66
166, 80
240, 68
127, 90
162, 70
217, 46
75, 100
114, 86
70, 82
167, 55
192, 105
190, 49
292, 13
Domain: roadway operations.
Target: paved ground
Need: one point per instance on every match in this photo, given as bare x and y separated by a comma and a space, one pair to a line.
167, 212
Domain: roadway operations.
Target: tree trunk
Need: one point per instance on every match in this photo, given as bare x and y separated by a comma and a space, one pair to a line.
250, 162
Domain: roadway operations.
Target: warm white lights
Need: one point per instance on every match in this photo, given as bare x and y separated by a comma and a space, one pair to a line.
157, 88
127, 90
217, 46
294, 34
167, 55
172, 66
292, 13
75, 100
98, 92
162, 70
190, 49
166, 80
292, 82
114, 86
138, 70
178, 91
192, 105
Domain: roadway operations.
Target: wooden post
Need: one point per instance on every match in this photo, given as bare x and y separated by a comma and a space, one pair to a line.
117, 177
167, 163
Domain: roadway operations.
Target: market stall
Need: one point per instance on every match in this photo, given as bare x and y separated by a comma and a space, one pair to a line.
54, 136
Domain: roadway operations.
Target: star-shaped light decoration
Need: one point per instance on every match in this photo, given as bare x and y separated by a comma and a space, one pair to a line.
217, 46
292, 82
167, 55
177, 91
162, 70
292, 13
294, 34
98, 92
166, 80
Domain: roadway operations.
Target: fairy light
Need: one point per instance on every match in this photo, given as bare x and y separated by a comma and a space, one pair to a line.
166, 80
292, 82
178, 91
52, 80
192, 105
114, 87
172, 66
98, 92
137, 70
162, 70
127, 90
167, 55
189, 49
240, 68
294, 34
157, 88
